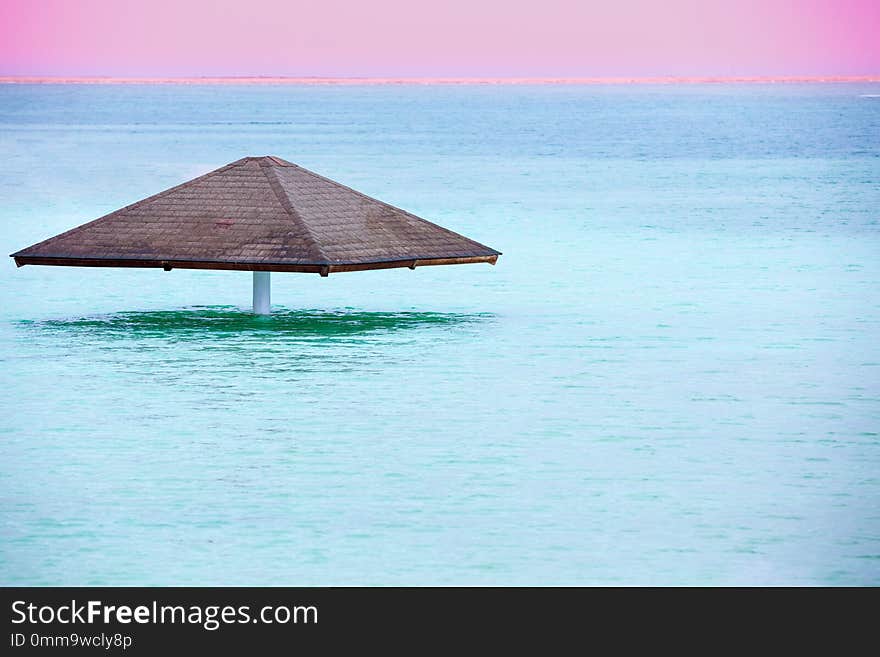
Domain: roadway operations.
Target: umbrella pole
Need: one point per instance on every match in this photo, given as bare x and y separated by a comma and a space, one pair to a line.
262, 293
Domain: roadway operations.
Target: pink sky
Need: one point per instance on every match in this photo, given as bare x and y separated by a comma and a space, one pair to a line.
443, 38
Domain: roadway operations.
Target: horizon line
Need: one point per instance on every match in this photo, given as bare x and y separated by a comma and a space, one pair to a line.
403, 80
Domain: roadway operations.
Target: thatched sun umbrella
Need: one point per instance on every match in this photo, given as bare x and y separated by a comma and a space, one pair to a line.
259, 214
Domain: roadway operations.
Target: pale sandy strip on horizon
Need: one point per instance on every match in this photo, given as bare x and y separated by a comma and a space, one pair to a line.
427, 81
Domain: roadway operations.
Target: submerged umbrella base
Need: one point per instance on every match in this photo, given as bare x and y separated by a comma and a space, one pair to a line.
262, 293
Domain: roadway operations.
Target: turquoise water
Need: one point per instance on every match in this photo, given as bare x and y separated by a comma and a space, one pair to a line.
672, 376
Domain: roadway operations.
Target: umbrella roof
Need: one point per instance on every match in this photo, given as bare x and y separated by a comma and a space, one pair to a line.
258, 214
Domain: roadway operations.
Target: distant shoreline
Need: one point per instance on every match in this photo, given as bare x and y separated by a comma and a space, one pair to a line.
330, 81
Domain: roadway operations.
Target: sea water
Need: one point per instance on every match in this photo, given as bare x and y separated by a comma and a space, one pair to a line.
672, 376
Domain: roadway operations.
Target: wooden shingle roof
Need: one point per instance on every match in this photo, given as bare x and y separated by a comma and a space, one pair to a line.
258, 214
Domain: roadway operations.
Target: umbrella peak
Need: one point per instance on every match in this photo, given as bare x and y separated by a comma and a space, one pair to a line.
270, 160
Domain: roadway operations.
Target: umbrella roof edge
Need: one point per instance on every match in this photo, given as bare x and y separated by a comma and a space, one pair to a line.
324, 269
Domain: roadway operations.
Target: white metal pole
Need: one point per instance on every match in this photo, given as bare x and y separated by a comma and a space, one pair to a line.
262, 293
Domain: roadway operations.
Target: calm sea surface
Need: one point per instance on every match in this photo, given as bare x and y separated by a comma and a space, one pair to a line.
672, 376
